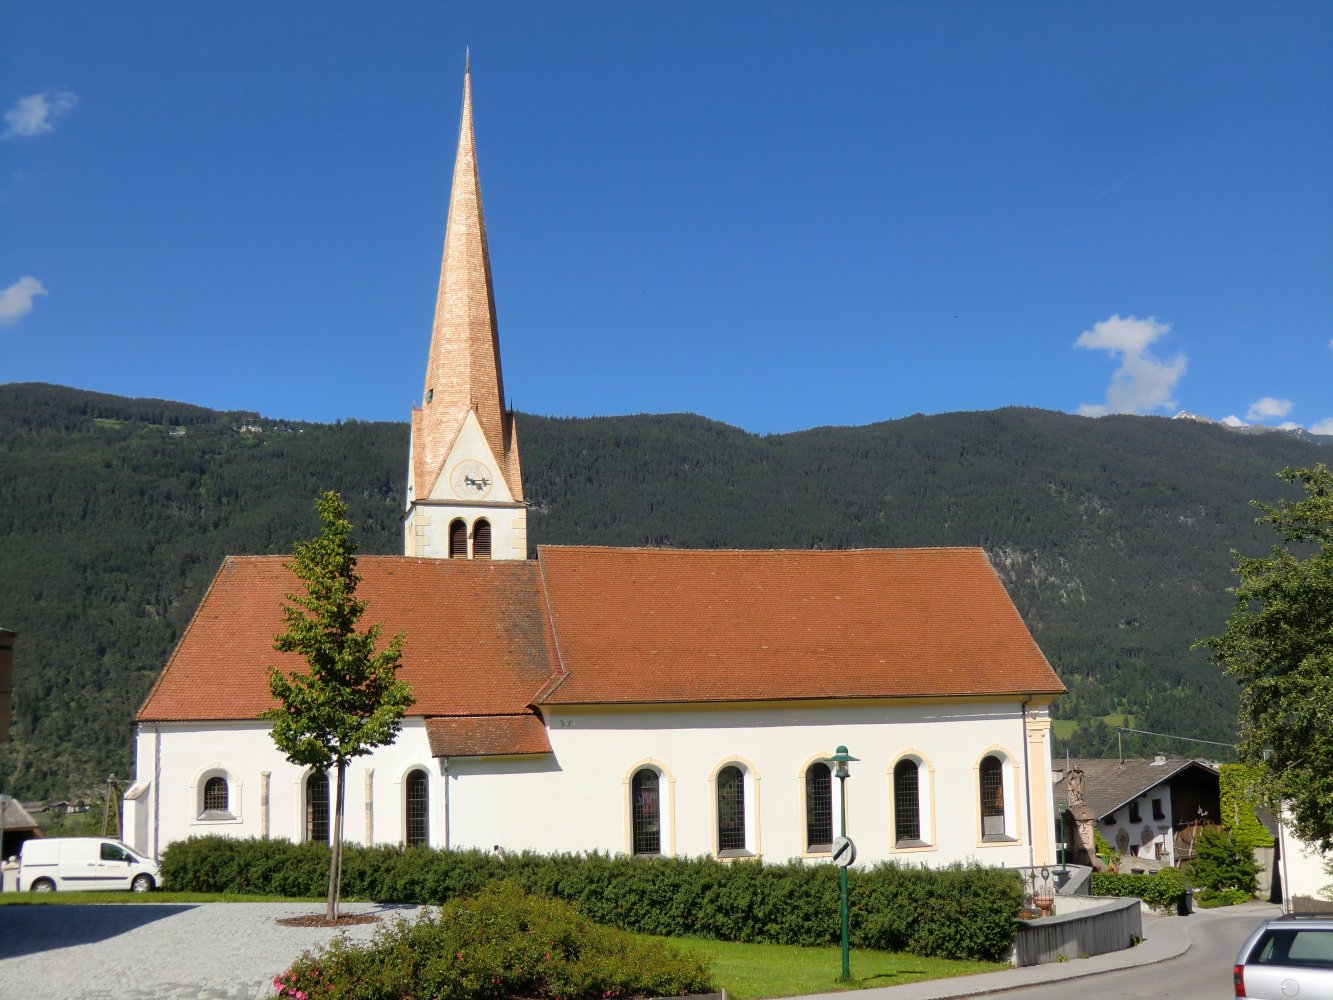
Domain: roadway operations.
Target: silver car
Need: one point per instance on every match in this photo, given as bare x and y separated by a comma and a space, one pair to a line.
1288, 957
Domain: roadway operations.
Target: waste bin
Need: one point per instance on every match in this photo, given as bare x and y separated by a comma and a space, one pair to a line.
1186, 905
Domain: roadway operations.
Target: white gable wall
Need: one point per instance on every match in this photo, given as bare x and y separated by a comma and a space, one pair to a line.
577, 798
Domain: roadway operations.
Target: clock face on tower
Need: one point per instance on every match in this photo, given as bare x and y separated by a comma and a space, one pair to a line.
471, 479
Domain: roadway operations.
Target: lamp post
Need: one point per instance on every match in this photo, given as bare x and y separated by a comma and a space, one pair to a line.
841, 759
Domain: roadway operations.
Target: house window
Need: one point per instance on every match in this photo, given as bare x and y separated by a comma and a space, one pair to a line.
457, 540
992, 797
216, 799
818, 808
481, 540
646, 811
317, 807
417, 803
907, 804
730, 809
1134, 815
1157, 812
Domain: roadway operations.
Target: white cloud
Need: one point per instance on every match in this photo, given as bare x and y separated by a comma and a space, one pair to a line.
1142, 383
35, 114
16, 300
1234, 421
1268, 408
1324, 426
1289, 425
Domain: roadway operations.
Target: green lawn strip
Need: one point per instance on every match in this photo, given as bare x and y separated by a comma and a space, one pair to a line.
751, 971
69, 898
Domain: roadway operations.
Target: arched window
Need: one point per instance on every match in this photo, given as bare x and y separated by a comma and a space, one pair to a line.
458, 540
481, 539
906, 803
730, 809
646, 811
317, 807
418, 808
992, 797
818, 807
216, 797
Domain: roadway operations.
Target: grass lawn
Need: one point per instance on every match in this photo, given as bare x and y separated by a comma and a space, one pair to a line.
750, 971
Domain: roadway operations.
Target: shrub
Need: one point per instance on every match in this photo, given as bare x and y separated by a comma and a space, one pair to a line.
1162, 891
1223, 863
964, 911
498, 944
1240, 786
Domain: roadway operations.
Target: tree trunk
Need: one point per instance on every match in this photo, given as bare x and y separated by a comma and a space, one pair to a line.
336, 855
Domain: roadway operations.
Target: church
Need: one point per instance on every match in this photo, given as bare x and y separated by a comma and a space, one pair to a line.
638, 701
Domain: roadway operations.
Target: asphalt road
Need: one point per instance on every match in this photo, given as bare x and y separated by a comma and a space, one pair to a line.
1202, 972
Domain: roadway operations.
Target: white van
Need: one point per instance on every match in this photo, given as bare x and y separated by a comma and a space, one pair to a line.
83, 863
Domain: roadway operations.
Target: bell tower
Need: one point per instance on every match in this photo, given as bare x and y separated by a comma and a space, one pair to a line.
464, 484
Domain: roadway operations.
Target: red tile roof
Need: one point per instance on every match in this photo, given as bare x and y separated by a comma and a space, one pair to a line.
477, 640
487, 735
632, 626
674, 625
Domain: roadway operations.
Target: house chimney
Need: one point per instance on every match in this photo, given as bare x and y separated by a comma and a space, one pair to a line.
1159, 760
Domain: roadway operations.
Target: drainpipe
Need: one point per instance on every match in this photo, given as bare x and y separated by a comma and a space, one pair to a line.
444, 773
1027, 786
157, 786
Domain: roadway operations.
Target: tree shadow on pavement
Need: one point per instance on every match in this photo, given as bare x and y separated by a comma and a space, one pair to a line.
26, 930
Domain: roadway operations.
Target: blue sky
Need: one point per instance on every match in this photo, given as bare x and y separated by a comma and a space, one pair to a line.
776, 215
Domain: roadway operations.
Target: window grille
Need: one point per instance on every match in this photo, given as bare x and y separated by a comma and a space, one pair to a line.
818, 808
647, 812
481, 540
215, 795
317, 808
992, 797
730, 809
906, 801
457, 540
418, 809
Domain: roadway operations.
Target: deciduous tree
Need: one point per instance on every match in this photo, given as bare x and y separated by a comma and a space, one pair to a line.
1278, 644
349, 701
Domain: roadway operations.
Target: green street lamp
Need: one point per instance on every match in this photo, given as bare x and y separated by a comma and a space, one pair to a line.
841, 759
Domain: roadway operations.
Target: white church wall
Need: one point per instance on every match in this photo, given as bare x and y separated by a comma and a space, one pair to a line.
577, 798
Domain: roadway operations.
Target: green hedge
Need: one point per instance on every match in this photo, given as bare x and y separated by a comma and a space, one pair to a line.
961, 912
1162, 891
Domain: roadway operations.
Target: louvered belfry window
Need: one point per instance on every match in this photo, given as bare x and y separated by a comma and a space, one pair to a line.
647, 811
317, 808
458, 540
906, 802
481, 540
730, 809
992, 797
818, 807
418, 809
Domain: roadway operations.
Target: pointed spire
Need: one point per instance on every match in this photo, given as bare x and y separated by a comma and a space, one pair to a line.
463, 367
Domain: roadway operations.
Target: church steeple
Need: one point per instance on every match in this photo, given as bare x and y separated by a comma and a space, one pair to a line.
464, 447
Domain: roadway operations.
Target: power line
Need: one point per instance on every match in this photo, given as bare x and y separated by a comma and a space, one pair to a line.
1188, 739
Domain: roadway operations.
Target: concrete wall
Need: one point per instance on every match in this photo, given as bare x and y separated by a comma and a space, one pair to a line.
578, 797
1110, 925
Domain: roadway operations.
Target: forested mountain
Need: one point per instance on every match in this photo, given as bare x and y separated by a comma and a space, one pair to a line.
1113, 535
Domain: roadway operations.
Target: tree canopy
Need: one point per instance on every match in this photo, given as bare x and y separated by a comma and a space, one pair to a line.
1278, 644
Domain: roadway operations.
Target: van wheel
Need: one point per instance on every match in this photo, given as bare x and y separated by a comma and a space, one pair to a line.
43, 885
142, 883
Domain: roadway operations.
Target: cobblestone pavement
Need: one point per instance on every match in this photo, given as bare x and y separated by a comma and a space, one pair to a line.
159, 951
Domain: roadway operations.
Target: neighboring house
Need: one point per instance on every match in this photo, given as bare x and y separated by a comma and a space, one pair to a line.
1139, 806
644, 701
17, 825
